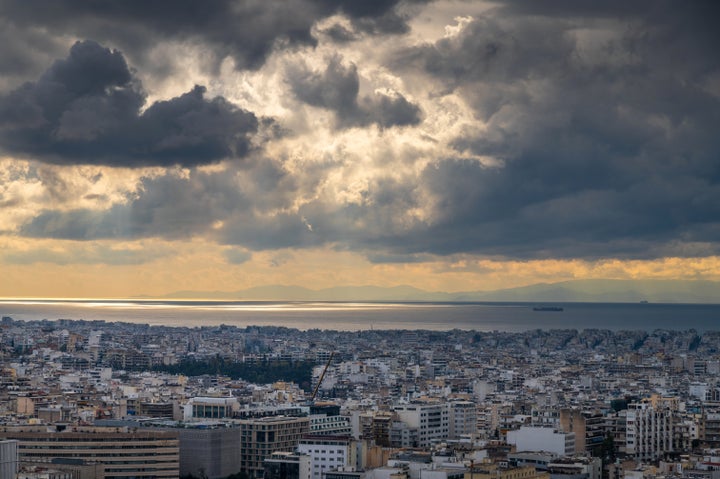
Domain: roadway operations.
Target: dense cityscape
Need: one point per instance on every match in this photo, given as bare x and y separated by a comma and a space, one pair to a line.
96, 399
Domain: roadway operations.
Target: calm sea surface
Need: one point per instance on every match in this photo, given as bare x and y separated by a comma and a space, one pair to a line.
362, 316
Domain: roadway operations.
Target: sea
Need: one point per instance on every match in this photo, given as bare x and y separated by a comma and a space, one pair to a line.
358, 316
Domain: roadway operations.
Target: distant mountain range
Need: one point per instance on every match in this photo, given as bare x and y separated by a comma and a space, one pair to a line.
591, 290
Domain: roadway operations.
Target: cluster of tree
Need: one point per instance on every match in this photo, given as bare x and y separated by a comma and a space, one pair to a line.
262, 372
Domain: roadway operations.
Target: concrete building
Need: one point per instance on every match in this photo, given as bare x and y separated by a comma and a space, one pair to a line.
648, 431
710, 423
330, 425
61, 469
8, 458
588, 426
209, 449
375, 426
402, 435
328, 452
529, 438
462, 419
125, 454
211, 408
259, 438
287, 465
432, 421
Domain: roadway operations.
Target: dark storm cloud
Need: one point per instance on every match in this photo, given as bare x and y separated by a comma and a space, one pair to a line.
339, 34
24, 53
175, 206
246, 30
374, 223
86, 109
602, 117
513, 214
605, 129
251, 207
605, 151
337, 89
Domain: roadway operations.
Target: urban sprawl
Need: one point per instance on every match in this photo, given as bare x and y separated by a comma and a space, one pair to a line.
94, 399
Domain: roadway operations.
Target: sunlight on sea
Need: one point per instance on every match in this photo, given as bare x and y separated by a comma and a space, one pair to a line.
357, 316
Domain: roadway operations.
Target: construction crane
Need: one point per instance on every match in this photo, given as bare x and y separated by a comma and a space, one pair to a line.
317, 387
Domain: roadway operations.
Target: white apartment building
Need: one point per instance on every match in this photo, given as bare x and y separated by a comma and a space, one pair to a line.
330, 425
432, 421
648, 431
327, 453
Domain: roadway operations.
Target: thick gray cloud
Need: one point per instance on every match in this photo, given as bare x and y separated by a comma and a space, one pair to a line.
337, 89
246, 30
249, 207
511, 214
86, 109
167, 206
25, 52
602, 117
376, 223
605, 131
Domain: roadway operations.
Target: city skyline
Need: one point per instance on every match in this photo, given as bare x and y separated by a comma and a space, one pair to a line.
449, 145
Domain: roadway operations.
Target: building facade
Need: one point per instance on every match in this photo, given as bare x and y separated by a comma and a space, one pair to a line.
431, 420
327, 453
8, 458
259, 438
125, 454
542, 439
648, 431
287, 465
463, 418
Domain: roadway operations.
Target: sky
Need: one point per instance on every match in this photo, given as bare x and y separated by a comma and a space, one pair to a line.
152, 147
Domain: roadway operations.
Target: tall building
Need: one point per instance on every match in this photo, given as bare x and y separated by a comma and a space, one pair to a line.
209, 450
328, 452
588, 426
125, 454
8, 458
430, 419
259, 438
648, 431
375, 426
463, 418
711, 426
